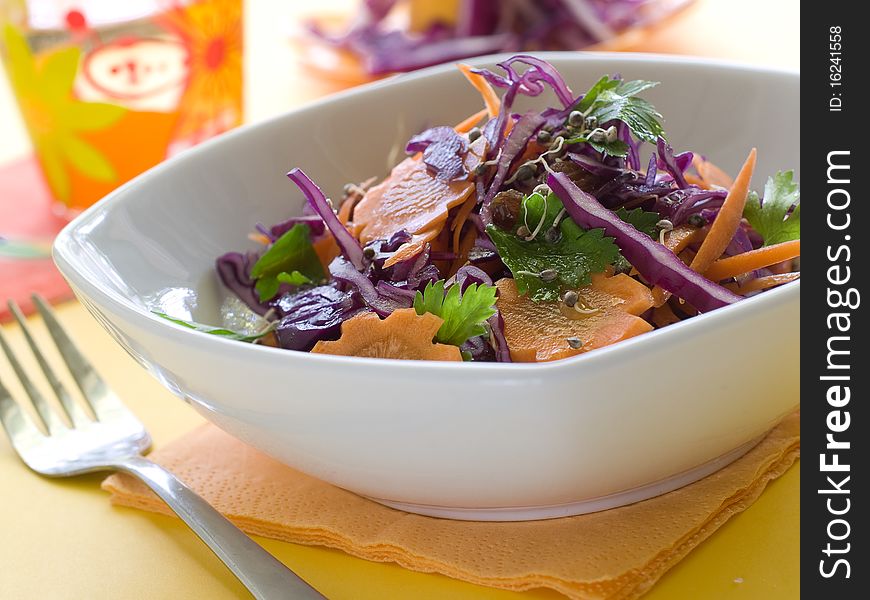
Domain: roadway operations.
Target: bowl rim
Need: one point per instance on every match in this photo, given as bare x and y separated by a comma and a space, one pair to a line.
65, 260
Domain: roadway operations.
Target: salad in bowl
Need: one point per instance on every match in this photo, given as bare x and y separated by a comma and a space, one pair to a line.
518, 236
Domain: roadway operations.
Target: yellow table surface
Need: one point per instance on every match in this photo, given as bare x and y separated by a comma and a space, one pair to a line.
62, 539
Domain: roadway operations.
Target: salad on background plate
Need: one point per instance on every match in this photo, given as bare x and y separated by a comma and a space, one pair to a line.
389, 36
517, 236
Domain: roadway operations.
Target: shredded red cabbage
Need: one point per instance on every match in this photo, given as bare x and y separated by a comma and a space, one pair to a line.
234, 270
443, 151
675, 165
349, 246
312, 315
487, 27
656, 264
516, 143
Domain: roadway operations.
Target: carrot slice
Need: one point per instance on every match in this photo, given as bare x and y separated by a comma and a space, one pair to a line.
490, 98
466, 125
539, 331
728, 219
679, 238
413, 199
460, 218
762, 283
738, 264
404, 334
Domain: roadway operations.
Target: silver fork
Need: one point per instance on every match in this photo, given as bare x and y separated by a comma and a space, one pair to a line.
115, 440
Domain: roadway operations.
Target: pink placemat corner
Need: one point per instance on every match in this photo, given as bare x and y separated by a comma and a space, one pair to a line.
29, 224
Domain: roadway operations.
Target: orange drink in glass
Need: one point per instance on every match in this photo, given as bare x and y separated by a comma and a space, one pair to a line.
108, 89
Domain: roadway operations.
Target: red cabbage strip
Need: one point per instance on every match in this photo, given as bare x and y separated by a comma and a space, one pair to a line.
314, 222
691, 201
345, 272
514, 146
234, 270
656, 264
651, 171
531, 82
416, 55
443, 151
313, 314
633, 158
496, 326
348, 244
675, 165
593, 166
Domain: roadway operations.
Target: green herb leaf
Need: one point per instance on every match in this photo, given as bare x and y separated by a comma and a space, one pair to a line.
770, 216
464, 313
614, 148
602, 85
613, 99
575, 254
535, 206
642, 220
291, 259
227, 333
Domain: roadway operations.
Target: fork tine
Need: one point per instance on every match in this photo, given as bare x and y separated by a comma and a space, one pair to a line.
98, 395
73, 411
48, 417
13, 419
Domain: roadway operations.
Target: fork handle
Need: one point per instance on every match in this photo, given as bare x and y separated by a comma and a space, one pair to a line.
264, 576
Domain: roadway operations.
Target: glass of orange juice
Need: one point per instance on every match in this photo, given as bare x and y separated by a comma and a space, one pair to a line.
110, 88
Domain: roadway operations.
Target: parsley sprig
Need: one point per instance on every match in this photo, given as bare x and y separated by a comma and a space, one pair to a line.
776, 216
463, 312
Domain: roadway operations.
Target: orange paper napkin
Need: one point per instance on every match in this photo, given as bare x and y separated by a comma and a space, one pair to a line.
619, 553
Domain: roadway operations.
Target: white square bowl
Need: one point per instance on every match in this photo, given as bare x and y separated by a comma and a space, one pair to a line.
473, 441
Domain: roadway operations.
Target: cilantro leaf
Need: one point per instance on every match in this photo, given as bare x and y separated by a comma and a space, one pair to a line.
642, 220
770, 216
464, 313
574, 254
227, 333
614, 99
291, 259
535, 206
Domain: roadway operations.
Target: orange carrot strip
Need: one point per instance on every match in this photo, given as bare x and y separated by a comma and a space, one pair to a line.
460, 218
462, 252
762, 283
728, 219
490, 98
752, 260
466, 125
